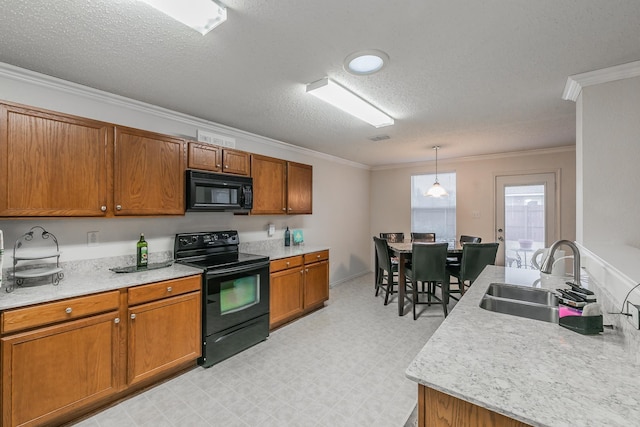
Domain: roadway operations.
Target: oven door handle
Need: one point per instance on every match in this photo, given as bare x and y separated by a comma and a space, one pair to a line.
233, 270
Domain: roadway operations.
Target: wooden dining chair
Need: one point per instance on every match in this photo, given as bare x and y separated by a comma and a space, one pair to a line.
428, 266
386, 271
475, 257
392, 237
423, 237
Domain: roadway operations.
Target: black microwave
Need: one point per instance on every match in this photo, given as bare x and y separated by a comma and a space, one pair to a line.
216, 192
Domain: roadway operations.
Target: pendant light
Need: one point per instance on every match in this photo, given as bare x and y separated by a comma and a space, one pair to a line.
436, 189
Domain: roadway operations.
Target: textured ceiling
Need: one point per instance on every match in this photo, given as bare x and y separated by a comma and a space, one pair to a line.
475, 77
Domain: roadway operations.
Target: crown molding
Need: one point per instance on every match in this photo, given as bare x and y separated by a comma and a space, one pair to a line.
20, 74
480, 157
576, 82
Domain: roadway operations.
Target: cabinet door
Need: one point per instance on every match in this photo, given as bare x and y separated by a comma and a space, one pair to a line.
269, 185
52, 164
205, 157
236, 162
52, 372
299, 188
163, 335
285, 296
316, 284
148, 173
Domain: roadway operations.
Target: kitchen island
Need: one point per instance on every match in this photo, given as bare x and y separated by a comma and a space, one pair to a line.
530, 371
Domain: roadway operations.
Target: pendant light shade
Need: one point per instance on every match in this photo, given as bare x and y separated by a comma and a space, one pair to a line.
436, 189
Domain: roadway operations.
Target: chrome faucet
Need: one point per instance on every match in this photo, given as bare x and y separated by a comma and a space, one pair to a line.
547, 265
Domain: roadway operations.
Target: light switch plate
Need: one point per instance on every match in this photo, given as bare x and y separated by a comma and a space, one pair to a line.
634, 310
272, 229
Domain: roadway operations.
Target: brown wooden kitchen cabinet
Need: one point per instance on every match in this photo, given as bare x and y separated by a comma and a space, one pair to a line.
281, 187
316, 279
64, 358
214, 158
437, 409
164, 327
59, 358
148, 173
53, 164
298, 285
286, 287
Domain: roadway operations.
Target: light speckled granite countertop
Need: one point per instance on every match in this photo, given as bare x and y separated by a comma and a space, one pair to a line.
88, 277
533, 371
286, 251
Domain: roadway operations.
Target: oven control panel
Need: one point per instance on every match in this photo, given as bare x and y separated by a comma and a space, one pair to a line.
190, 241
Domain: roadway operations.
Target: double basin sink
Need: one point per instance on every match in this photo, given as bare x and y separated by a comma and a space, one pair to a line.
532, 303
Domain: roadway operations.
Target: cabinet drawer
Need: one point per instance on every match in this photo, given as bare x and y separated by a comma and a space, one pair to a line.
169, 288
316, 256
53, 312
284, 263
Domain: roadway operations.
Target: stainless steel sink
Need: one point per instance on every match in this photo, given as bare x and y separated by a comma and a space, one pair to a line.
521, 293
537, 304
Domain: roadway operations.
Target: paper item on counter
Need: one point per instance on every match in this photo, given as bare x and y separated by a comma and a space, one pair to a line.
297, 237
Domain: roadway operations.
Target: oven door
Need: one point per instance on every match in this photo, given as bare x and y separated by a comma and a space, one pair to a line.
235, 295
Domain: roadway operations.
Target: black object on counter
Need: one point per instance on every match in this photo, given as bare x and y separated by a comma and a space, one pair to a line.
134, 269
585, 325
287, 237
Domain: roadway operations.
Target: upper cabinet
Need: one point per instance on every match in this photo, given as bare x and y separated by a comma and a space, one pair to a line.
52, 164
299, 188
148, 173
217, 159
281, 187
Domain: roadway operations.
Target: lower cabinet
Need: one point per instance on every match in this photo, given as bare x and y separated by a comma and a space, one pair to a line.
64, 358
163, 335
437, 409
298, 285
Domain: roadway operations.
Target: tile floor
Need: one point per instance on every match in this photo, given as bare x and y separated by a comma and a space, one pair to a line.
340, 366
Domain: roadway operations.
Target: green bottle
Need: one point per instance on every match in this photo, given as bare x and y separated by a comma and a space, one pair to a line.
142, 252
287, 237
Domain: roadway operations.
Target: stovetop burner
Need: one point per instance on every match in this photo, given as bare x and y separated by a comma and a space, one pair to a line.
213, 249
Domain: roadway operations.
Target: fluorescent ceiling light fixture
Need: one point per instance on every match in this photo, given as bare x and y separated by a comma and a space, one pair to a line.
201, 15
366, 62
336, 95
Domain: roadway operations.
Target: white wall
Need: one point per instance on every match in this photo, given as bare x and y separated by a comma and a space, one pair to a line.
608, 144
340, 216
475, 176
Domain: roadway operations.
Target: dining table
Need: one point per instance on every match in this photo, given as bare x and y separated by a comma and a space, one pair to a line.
403, 251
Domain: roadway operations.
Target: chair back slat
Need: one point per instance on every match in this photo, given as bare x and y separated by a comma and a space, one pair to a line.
428, 262
423, 237
393, 237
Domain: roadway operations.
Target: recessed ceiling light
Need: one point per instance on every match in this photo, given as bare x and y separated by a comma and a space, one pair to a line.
366, 62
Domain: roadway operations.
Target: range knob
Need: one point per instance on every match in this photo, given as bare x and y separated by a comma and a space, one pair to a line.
183, 241
194, 239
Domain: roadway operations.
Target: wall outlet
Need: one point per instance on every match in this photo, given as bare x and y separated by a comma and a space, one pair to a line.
92, 238
271, 229
475, 214
634, 310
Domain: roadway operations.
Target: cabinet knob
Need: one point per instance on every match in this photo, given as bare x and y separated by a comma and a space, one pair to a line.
284, 209
289, 208
169, 288
133, 316
118, 207
288, 263
103, 208
218, 165
306, 270
301, 271
318, 256
116, 320
226, 166
68, 310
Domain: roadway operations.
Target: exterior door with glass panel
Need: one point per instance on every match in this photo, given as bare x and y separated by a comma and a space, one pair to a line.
526, 215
